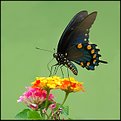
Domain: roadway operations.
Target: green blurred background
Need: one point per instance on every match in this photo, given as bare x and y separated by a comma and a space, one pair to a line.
26, 25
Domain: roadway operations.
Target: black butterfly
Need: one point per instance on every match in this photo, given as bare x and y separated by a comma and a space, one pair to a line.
74, 44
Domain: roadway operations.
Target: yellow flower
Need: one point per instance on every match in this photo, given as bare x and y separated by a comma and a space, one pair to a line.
47, 82
55, 82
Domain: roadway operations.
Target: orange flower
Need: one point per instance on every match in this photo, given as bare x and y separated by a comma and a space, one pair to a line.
39, 82
36, 83
71, 85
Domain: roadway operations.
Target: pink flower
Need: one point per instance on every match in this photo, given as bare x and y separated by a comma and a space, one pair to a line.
34, 97
52, 106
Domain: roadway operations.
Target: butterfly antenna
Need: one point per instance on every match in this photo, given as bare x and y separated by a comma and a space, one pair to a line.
44, 50
103, 61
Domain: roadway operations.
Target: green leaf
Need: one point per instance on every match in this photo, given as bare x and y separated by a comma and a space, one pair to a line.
33, 115
65, 110
28, 114
22, 114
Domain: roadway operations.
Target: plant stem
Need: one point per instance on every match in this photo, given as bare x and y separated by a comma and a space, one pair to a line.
46, 103
66, 95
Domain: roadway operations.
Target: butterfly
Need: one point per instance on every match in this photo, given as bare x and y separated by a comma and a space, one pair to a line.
74, 45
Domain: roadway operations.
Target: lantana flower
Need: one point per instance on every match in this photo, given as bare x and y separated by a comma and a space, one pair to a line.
38, 97
52, 106
66, 84
47, 82
34, 97
71, 85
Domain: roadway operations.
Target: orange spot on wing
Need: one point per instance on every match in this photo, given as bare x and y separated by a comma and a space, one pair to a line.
79, 45
89, 47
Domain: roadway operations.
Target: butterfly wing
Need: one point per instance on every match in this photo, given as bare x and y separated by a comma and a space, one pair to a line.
65, 38
74, 41
79, 49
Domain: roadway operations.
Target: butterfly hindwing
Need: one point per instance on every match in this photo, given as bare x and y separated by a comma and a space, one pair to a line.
85, 55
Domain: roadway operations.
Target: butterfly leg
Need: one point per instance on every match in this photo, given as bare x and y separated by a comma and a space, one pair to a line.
48, 65
52, 68
62, 71
56, 69
68, 72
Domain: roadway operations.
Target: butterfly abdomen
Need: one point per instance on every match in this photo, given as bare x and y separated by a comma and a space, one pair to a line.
72, 67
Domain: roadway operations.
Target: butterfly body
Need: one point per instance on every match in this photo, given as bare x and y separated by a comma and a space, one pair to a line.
62, 60
74, 45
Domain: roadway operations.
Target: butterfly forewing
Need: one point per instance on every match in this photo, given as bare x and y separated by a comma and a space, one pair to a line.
65, 38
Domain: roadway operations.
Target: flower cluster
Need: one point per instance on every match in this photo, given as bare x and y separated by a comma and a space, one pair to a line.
34, 97
65, 84
47, 82
38, 97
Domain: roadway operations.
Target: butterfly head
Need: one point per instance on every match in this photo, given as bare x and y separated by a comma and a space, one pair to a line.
55, 55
